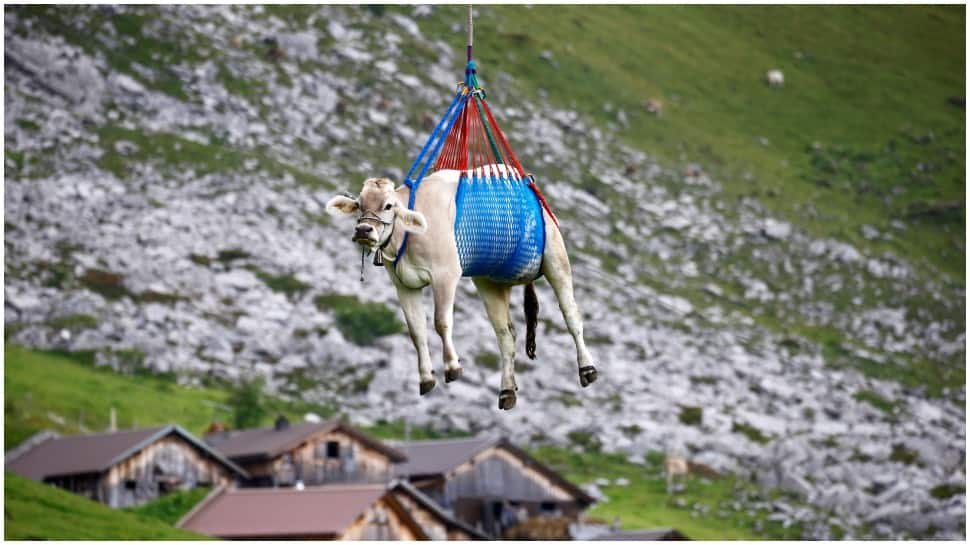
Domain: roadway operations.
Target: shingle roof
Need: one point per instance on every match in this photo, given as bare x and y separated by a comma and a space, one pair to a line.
267, 443
439, 456
95, 453
283, 512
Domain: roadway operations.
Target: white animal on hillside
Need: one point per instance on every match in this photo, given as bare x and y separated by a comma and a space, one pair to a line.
775, 78
674, 466
431, 259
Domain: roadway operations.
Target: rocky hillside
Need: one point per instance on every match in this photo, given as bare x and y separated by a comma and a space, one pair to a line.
165, 175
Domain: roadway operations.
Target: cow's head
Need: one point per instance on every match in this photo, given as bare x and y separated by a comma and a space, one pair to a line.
377, 210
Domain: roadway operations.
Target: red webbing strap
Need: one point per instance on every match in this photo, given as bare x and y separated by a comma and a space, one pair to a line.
515, 162
501, 137
451, 156
535, 189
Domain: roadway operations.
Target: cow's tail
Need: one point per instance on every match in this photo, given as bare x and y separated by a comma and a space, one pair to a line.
531, 319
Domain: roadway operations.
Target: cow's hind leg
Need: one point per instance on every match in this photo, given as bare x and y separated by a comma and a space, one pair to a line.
413, 309
444, 287
496, 299
556, 268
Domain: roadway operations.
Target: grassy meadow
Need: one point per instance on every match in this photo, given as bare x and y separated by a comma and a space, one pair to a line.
34, 510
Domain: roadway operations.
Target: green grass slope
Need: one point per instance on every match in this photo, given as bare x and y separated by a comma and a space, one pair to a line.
862, 133
707, 510
66, 393
34, 510
169, 508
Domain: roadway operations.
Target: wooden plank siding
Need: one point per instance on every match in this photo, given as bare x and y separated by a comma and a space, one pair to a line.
436, 529
495, 487
170, 463
310, 463
385, 520
495, 472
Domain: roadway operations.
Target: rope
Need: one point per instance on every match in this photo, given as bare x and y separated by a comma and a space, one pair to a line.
471, 32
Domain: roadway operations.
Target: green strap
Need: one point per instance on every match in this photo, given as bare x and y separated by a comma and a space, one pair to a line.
488, 130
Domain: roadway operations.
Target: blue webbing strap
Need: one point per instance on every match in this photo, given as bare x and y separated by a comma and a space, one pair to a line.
437, 148
434, 134
417, 181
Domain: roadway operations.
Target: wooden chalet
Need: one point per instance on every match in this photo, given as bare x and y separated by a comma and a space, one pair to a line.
124, 468
311, 453
345, 512
489, 483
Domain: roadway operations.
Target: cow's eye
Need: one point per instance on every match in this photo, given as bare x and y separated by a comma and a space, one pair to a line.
388, 206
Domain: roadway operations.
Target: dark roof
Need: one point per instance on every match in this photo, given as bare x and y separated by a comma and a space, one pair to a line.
268, 443
657, 534
282, 512
438, 457
96, 453
433, 506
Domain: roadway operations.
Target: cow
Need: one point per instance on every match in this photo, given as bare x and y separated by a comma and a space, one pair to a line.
674, 466
431, 258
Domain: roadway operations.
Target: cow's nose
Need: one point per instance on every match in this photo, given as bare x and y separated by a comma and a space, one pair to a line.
364, 229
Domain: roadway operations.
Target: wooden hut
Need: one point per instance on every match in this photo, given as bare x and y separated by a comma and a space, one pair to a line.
311, 453
489, 483
125, 468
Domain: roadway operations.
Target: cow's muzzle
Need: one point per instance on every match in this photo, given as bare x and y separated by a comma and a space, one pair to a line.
365, 234
370, 228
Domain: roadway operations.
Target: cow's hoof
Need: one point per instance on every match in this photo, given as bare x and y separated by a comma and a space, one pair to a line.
587, 375
506, 399
452, 374
427, 386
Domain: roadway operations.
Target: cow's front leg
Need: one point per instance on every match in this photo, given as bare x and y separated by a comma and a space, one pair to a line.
444, 286
496, 299
418, 328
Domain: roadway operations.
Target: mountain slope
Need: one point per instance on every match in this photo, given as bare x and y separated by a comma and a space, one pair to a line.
65, 393
167, 168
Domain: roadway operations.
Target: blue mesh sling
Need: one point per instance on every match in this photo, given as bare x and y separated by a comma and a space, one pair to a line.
499, 225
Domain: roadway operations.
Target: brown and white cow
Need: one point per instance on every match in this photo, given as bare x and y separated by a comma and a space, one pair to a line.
431, 258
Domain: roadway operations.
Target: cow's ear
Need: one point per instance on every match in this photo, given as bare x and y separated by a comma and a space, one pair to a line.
342, 205
412, 221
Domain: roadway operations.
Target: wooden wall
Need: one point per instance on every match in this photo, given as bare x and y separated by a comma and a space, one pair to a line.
171, 463
432, 524
498, 473
490, 492
382, 521
308, 462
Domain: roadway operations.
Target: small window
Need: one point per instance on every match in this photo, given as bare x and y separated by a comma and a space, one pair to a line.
131, 484
547, 506
333, 449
